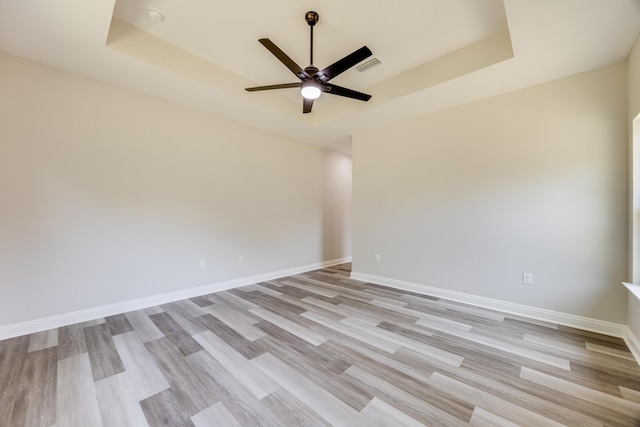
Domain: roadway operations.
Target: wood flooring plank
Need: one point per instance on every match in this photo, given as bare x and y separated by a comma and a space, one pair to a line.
144, 327
411, 331
559, 405
44, 339
365, 307
312, 289
290, 291
240, 402
352, 332
215, 415
598, 378
518, 350
380, 413
118, 402
347, 392
531, 324
190, 308
238, 320
596, 397
291, 411
12, 357
175, 333
509, 388
420, 410
181, 317
35, 403
379, 363
333, 410
145, 378
623, 354
93, 322
236, 300
265, 290
202, 301
283, 340
276, 305
311, 307
71, 341
482, 418
289, 326
339, 311
150, 311
103, 355
164, 409
629, 394
493, 404
570, 350
248, 349
118, 324
245, 373
426, 349
188, 386
438, 323
477, 312
76, 403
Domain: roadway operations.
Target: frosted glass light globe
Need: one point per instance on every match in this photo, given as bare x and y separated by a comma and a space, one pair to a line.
310, 92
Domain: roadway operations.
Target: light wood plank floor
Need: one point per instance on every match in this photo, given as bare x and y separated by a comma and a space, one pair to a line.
317, 349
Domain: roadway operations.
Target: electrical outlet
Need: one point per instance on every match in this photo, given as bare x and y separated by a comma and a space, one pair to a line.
527, 278
240, 259
376, 257
202, 265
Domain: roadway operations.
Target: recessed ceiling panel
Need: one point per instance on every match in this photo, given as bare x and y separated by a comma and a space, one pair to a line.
403, 35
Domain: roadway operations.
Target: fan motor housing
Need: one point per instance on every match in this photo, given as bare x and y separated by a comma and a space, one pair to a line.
311, 70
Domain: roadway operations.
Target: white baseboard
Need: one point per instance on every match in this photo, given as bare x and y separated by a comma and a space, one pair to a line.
65, 319
633, 343
584, 323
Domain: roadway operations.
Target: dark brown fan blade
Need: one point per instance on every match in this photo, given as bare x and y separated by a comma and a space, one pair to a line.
306, 105
343, 91
280, 86
342, 65
284, 58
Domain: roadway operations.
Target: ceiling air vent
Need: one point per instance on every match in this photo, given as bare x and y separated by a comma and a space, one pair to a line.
369, 64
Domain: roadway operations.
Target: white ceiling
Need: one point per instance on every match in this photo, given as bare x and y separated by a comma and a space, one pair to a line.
435, 53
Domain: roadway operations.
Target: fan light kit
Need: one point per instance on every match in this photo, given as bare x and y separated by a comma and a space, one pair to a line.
312, 80
310, 91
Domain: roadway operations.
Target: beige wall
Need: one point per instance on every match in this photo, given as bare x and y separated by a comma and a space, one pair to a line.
107, 196
532, 181
633, 318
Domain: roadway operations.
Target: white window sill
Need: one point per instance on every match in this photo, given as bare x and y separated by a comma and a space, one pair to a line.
633, 288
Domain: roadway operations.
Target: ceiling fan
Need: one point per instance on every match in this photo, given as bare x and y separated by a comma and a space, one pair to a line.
313, 81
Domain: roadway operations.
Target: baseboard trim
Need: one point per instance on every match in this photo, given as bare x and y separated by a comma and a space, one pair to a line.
633, 343
584, 323
65, 319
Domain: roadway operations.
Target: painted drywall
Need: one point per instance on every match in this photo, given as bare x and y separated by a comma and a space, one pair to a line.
533, 181
633, 312
336, 206
634, 80
107, 196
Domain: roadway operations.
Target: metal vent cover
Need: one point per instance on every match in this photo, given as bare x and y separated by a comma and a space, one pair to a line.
367, 65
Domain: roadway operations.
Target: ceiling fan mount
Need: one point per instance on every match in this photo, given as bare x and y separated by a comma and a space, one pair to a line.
311, 18
313, 81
